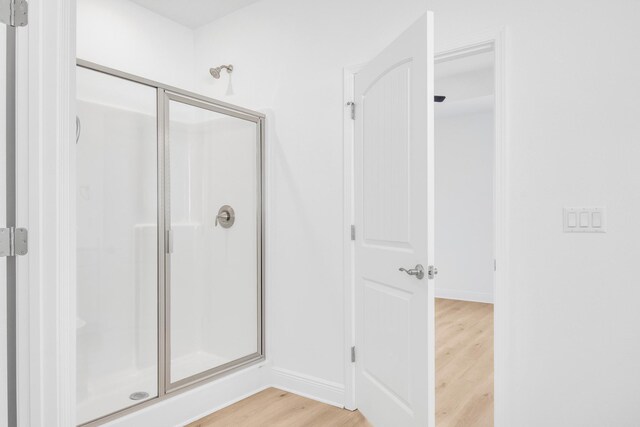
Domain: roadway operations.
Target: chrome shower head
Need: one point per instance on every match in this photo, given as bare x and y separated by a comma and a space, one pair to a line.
215, 72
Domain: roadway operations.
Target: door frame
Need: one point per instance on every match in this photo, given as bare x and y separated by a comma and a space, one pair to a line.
15, 214
464, 46
47, 321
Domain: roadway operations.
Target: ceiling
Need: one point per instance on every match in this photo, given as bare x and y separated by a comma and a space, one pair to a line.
193, 13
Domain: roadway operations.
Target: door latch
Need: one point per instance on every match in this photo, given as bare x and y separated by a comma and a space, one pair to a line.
432, 272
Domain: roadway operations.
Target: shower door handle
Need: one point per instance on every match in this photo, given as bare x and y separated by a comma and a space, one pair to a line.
169, 243
418, 271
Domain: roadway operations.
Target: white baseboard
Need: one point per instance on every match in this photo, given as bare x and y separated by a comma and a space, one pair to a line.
308, 386
463, 295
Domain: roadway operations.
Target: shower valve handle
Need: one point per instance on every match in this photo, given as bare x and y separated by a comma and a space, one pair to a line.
224, 216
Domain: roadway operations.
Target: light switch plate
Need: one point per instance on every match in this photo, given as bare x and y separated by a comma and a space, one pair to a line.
585, 220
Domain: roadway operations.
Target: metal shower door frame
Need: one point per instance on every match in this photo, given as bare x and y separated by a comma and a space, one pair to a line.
164, 98
165, 94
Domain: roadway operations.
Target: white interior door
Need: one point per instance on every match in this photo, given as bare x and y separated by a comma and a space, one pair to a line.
394, 170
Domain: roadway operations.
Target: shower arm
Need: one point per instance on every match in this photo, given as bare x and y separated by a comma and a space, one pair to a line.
215, 72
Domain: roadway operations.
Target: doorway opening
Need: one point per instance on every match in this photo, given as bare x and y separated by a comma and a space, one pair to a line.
465, 135
491, 402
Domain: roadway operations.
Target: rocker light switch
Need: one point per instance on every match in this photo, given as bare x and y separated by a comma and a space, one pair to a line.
584, 220
596, 220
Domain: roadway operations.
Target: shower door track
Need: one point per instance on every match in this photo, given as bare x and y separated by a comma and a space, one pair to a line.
165, 93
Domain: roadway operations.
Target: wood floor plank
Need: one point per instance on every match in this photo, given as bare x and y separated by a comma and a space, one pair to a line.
276, 408
464, 382
464, 364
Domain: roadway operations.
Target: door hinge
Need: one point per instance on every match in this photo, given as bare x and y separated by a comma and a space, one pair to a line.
353, 232
14, 242
14, 13
495, 265
353, 354
432, 272
352, 105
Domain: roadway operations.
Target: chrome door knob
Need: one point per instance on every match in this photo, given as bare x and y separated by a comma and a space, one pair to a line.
418, 271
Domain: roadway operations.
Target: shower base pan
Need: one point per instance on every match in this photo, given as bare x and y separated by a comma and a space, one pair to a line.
114, 393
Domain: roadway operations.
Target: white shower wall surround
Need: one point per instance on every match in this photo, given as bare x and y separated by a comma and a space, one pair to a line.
206, 173
213, 307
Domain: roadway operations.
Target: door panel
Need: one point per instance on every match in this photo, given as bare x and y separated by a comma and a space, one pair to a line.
387, 316
385, 106
394, 208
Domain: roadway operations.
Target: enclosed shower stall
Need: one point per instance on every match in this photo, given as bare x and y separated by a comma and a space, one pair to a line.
169, 241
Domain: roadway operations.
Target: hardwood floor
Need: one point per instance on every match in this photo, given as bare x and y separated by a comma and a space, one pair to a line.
464, 382
464, 364
277, 408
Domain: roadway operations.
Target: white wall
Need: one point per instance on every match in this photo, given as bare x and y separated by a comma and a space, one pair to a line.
289, 56
573, 139
122, 35
464, 146
464, 202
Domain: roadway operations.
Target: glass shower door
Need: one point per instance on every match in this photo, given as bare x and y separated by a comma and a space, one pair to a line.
117, 244
213, 217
